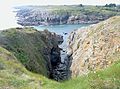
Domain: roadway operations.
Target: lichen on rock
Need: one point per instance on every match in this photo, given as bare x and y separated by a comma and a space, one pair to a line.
94, 47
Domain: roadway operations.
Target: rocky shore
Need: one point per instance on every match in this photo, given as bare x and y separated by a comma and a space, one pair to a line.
64, 14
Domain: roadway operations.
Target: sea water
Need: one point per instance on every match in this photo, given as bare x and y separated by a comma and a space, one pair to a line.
61, 30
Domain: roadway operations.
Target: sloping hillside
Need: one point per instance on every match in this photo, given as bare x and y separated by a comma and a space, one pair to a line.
31, 47
13, 75
95, 47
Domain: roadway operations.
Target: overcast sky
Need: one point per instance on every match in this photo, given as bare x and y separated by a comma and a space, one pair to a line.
58, 2
7, 18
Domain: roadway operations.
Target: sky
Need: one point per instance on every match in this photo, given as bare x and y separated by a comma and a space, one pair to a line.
7, 17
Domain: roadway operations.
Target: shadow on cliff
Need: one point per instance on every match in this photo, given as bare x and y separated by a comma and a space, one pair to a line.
70, 58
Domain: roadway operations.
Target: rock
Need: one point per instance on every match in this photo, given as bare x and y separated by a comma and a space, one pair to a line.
55, 56
40, 15
63, 50
65, 33
94, 48
61, 71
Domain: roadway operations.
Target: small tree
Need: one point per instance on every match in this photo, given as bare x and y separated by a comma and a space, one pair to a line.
80, 5
110, 5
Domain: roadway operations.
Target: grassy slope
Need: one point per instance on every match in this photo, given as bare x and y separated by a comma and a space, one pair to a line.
27, 45
78, 10
13, 75
105, 79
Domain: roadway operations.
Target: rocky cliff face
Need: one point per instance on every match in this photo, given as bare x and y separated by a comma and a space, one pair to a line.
64, 14
34, 49
95, 47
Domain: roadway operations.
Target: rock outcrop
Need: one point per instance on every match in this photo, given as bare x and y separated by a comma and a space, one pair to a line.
95, 47
61, 71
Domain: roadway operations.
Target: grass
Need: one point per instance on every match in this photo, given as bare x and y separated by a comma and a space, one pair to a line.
26, 45
13, 75
86, 10
108, 78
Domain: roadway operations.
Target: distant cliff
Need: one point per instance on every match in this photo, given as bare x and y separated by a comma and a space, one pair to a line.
64, 14
95, 47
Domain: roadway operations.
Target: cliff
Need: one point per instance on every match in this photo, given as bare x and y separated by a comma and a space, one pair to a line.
33, 48
95, 47
64, 14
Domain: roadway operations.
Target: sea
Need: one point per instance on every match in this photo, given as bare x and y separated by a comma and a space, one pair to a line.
63, 30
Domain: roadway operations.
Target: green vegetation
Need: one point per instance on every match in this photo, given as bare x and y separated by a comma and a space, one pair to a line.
85, 10
65, 14
105, 79
27, 46
23, 47
13, 75
110, 5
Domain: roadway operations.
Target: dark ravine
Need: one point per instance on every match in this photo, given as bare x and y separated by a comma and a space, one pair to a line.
60, 66
61, 70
